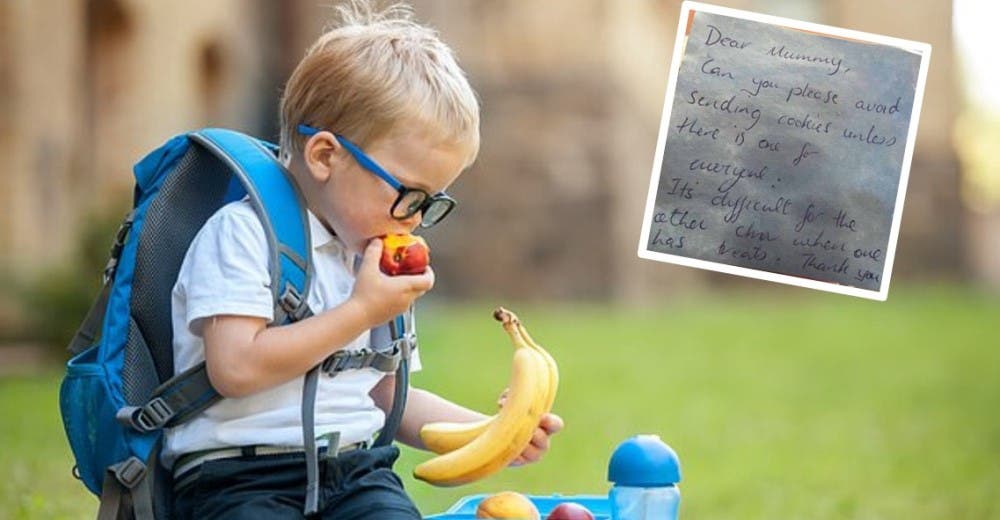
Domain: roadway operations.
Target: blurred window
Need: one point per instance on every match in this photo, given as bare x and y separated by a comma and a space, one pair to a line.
211, 80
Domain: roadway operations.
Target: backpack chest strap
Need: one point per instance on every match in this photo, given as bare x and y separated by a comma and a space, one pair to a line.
383, 361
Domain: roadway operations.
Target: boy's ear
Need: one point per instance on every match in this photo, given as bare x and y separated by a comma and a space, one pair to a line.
321, 155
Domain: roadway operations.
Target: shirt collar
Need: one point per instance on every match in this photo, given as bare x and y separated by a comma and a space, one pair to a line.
320, 236
324, 240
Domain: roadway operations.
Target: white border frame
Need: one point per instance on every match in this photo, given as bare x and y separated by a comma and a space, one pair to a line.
922, 49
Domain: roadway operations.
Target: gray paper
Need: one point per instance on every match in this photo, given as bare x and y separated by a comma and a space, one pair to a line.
784, 151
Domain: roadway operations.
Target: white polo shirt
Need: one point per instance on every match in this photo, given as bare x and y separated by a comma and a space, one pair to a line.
225, 271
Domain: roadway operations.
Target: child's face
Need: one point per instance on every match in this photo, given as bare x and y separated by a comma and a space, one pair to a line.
357, 203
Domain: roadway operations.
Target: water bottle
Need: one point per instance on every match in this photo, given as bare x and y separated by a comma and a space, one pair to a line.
644, 472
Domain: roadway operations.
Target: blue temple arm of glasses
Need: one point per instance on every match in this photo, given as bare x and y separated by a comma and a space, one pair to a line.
369, 164
359, 156
362, 159
307, 130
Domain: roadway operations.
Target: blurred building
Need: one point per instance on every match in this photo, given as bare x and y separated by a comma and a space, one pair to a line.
88, 86
572, 93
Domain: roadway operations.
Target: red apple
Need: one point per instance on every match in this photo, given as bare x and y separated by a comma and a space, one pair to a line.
404, 254
570, 511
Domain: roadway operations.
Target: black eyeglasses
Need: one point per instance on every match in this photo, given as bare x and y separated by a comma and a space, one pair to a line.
433, 208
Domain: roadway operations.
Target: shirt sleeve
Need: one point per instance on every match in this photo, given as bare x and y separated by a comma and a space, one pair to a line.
227, 271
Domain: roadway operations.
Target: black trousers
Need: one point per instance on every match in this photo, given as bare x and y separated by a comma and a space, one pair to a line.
356, 485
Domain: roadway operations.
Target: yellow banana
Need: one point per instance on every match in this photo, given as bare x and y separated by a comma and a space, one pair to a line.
549, 361
507, 434
520, 337
443, 437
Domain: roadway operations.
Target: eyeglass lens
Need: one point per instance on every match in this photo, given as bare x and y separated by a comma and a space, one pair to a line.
409, 203
436, 211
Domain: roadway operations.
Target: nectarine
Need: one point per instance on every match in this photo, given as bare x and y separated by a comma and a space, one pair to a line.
404, 254
507, 504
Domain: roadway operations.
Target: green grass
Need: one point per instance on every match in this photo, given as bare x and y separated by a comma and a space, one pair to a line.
783, 404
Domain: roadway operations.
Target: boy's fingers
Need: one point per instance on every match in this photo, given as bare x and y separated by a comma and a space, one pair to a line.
429, 273
421, 282
540, 439
530, 454
535, 449
372, 254
551, 423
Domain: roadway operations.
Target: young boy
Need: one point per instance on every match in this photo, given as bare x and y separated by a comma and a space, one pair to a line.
378, 86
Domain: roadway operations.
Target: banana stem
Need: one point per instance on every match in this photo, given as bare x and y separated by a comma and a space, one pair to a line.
511, 325
504, 316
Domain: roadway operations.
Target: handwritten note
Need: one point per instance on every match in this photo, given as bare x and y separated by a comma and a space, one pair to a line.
784, 151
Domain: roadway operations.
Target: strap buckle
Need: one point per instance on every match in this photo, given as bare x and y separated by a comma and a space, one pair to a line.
150, 417
292, 303
351, 359
155, 414
388, 362
129, 472
117, 246
346, 359
405, 345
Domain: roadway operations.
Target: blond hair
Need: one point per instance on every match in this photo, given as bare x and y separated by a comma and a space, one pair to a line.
372, 71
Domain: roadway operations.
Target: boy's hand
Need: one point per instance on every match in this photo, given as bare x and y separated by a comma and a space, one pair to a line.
549, 425
383, 297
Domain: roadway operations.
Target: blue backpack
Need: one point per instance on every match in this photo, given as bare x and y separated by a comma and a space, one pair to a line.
120, 390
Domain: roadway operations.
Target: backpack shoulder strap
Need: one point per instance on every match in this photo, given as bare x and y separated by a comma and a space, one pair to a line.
279, 206
281, 210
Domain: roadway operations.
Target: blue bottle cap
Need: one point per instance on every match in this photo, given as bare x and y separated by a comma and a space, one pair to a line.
644, 461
